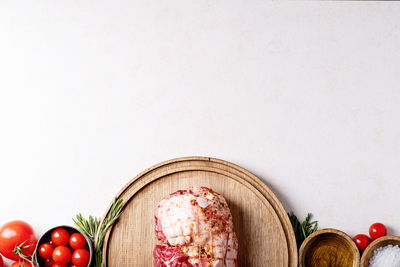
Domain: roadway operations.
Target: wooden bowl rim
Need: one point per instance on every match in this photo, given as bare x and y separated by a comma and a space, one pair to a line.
374, 245
305, 245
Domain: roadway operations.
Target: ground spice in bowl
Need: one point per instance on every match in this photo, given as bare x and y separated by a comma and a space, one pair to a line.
327, 248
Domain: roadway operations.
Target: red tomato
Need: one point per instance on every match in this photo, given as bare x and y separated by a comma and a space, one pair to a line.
59, 237
77, 241
46, 250
58, 265
61, 255
377, 230
48, 262
81, 257
21, 263
362, 241
1, 261
13, 234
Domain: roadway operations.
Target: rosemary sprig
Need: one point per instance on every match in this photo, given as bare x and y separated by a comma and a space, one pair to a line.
304, 229
115, 213
89, 227
97, 233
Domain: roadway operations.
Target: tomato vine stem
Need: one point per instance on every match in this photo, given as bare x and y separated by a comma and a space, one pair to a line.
19, 250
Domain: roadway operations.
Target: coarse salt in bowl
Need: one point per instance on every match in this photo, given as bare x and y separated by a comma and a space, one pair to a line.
384, 251
387, 256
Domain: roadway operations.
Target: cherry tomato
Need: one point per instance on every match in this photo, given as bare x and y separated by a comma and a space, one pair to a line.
77, 240
362, 241
21, 263
48, 262
60, 237
80, 258
58, 265
377, 230
1, 261
61, 255
46, 250
13, 234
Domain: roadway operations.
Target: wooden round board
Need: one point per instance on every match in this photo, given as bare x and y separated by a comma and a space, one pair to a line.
262, 226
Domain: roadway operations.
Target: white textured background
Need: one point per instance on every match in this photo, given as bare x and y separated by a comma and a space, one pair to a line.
306, 95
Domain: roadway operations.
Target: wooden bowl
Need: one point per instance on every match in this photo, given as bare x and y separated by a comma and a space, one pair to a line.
380, 242
329, 247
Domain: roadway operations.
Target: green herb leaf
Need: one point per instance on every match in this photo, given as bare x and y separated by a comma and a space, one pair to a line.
304, 229
91, 227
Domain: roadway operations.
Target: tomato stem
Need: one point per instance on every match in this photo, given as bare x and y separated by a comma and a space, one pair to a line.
18, 250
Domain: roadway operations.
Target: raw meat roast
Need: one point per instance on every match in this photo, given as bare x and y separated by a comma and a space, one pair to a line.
196, 229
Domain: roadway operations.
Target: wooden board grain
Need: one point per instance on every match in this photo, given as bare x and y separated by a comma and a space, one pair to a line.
264, 232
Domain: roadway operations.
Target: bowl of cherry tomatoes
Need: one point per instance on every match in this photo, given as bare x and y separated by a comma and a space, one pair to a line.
64, 246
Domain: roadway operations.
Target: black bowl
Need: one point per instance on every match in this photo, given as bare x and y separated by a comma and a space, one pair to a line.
46, 237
